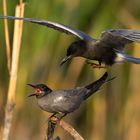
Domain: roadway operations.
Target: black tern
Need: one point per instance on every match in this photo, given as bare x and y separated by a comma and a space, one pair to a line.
108, 49
65, 101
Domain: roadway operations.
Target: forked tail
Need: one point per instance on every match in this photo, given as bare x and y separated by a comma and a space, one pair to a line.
95, 86
126, 57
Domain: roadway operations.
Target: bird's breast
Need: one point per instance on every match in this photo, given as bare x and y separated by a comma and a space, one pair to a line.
45, 103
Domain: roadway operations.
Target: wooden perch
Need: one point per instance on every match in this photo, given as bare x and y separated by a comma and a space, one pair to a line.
50, 130
67, 127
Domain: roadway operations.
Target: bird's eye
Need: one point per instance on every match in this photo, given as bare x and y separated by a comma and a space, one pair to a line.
71, 50
37, 90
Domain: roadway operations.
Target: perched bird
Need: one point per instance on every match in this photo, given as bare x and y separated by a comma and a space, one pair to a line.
108, 49
63, 102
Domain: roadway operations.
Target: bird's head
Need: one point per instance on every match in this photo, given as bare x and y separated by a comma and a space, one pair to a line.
77, 48
39, 90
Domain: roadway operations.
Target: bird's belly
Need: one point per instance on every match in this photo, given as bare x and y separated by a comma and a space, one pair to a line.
105, 54
47, 108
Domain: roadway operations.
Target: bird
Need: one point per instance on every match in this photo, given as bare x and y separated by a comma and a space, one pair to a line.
107, 50
64, 101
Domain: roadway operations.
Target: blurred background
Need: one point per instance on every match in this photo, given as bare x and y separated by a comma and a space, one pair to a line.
111, 114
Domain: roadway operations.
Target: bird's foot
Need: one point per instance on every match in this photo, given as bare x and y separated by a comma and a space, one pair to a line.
52, 118
98, 66
94, 65
55, 119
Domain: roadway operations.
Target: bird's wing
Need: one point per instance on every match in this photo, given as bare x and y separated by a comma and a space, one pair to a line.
74, 92
118, 38
55, 26
66, 100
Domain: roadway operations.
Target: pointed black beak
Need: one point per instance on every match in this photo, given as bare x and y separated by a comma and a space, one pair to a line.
33, 86
32, 94
64, 60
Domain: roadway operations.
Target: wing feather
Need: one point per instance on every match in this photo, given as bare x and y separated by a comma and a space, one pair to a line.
118, 38
56, 26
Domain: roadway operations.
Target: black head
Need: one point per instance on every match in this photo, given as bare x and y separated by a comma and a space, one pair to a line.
75, 49
40, 90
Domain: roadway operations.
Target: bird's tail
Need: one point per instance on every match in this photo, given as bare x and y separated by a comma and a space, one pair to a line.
126, 57
95, 86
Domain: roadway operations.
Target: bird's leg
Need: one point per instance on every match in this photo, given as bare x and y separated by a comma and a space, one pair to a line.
53, 115
99, 65
94, 65
62, 116
56, 119
50, 118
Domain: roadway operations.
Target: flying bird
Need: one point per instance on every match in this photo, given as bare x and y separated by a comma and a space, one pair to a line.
108, 49
65, 101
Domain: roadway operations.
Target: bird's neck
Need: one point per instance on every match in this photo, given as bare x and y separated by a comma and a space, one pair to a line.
44, 94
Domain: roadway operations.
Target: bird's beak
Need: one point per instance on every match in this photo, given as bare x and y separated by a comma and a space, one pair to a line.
33, 86
64, 60
32, 94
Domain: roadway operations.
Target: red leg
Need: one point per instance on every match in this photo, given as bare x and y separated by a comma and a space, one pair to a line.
53, 118
94, 65
98, 66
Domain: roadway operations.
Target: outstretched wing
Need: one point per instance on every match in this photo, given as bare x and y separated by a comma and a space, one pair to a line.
56, 26
118, 38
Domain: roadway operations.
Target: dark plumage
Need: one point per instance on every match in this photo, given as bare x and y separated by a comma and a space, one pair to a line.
108, 49
65, 101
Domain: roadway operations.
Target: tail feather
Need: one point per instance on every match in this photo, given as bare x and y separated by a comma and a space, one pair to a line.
126, 57
95, 86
